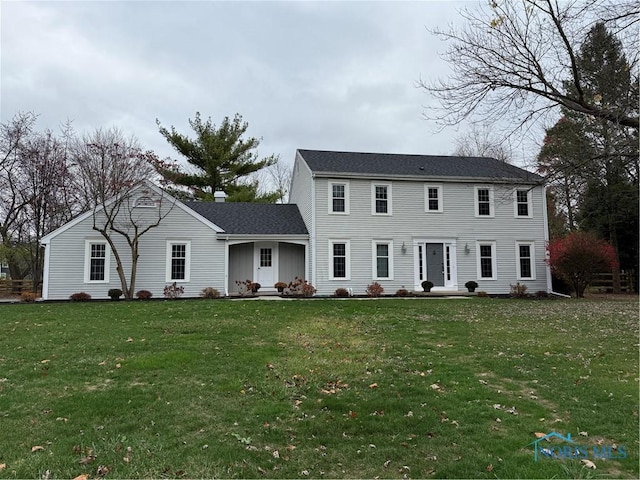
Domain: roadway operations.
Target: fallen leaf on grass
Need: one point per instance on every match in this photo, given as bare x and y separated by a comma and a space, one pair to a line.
86, 460
3, 466
588, 463
102, 470
539, 434
435, 386
62, 419
386, 464
45, 361
84, 476
129, 340
37, 448
373, 385
489, 467
583, 434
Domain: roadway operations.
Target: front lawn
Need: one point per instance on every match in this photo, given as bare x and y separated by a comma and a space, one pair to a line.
390, 388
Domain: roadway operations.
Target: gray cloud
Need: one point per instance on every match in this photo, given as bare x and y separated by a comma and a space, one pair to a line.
327, 75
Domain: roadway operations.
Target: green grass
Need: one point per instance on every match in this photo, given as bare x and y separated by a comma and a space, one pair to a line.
387, 388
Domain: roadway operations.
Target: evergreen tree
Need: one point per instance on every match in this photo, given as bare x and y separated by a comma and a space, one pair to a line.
595, 162
220, 158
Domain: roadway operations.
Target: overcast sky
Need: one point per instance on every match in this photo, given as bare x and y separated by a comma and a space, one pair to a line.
315, 75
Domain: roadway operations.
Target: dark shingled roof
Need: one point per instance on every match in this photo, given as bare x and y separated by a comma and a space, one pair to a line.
252, 218
357, 163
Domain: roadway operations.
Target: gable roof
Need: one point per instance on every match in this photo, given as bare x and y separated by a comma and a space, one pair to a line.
252, 218
329, 163
145, 184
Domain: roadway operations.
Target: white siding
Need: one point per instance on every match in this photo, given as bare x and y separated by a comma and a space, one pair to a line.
67, 257
302, 194
410, 221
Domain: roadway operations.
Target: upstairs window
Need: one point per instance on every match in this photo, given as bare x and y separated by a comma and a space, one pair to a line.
381, 199
523, 203
484, 201
339, 197
433, 198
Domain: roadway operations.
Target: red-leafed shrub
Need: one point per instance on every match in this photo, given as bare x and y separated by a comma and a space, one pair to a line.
374, 289
341, 293
578, 256
144, 294
80, 297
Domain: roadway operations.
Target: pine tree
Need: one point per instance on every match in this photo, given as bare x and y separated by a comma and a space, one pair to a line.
220, 160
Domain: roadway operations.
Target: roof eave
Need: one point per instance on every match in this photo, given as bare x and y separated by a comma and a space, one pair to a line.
426, 178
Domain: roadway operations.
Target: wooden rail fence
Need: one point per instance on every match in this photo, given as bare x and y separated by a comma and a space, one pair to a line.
10, 288
603, 282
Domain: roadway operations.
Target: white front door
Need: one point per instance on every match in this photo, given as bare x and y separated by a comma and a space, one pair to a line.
266, 263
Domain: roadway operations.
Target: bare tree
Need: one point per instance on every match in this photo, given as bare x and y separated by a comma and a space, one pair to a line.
481, 142
516, 58
278, 176
115, 173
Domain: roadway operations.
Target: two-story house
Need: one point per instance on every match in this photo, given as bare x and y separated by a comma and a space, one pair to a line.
353, 218
403, 219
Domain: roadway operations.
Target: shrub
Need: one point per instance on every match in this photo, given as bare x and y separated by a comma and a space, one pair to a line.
374, 289
519, 290
577, 257
482, 294
300, 288
143, 294
341, 293
280, 286
28, 297
427, 285
114, 293
173, 291
403, 292
471, 285
209, 292
255, 286
80, 297
245, 287
542, 294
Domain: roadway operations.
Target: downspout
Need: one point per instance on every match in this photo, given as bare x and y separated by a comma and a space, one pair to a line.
314, 250
226, 266
45, 272
545, 216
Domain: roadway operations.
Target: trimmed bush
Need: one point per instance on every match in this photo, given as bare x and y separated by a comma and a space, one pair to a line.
374, 289
341, 293
80, 297
210, 292
28, 297
143, 294
280, 286
519, 290
471, 285
115, 293
403, 292
173, 291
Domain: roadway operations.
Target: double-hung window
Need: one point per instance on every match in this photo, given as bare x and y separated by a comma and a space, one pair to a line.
522, 203
178, 261
96, 268
525, 261
433, 198
339, 251
339, 197
486, 258
382, 260
484, 202
381, 199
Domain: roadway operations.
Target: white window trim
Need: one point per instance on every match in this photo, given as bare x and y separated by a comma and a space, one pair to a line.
494, 263
330, 197
87, 260
532, 257
426, 198
347, 250
389, 198
515, 203
491, 202
187, 266
374, 260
